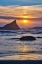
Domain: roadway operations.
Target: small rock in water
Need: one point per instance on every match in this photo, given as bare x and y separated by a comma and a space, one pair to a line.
39, 37
28, 38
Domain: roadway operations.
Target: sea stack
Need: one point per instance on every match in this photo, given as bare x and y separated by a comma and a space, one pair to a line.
12, 26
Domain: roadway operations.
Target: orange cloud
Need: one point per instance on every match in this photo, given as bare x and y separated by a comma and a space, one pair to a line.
32, 13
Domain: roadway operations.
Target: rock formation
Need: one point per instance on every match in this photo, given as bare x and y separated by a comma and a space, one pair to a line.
12, 26
27, 38
37, 28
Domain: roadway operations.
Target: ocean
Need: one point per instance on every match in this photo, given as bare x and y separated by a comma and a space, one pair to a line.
14, 49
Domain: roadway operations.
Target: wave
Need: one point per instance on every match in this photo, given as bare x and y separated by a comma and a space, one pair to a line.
9, 53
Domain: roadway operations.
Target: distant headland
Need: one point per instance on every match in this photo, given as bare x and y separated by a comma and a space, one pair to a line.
12, 26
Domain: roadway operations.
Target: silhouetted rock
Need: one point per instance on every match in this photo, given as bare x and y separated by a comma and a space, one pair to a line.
37, 28
12, 26
1, 28
38, 37
28, 38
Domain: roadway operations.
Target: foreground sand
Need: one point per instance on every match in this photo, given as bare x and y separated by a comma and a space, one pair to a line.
21, 62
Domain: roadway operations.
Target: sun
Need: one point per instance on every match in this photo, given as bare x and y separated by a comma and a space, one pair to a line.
25, 21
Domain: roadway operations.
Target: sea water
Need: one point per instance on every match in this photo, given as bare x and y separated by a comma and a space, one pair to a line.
14, 49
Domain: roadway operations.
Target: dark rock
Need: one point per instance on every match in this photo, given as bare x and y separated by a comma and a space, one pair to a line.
37, 28
39, 37
1, 28
28, 38
12, 26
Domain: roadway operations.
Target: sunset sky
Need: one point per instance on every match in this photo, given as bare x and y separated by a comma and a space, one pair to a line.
21, 10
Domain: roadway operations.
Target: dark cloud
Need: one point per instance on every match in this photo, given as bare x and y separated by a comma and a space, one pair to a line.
17, 18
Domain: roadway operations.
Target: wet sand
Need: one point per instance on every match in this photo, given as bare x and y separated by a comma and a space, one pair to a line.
20, 61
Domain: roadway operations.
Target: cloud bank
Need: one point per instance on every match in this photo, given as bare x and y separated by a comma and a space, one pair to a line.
33, 13
21, 11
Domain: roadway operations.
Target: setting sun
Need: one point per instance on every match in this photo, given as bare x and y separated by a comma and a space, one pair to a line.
25, 21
